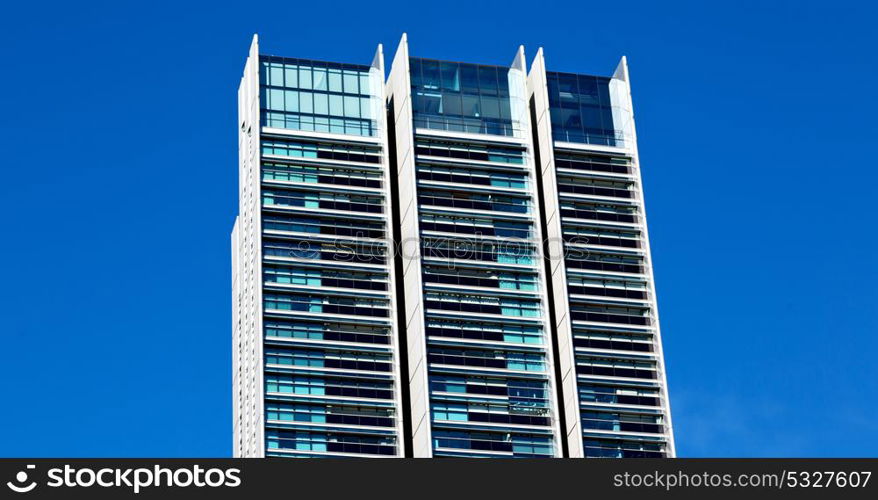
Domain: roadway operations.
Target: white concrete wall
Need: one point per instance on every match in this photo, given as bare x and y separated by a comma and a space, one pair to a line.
520, 104
379, 111
557, 270
399, 92
237, 435
247, 276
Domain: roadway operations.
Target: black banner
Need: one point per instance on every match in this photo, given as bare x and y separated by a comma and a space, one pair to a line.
453, 479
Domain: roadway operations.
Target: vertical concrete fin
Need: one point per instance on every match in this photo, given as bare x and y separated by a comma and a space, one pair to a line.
621, 72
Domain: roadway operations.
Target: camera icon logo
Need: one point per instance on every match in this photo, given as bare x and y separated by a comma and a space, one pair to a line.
21, 478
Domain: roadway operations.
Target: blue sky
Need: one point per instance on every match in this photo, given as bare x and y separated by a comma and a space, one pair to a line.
756, 126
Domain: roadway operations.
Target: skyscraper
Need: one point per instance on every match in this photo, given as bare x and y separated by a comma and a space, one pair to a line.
451, 263
479, 343
606, 319
316, 367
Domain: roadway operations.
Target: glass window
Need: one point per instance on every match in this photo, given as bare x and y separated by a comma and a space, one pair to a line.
276, 75
305, 81
292, 77
319, 79
581, 109
351, 82
365, 83
306, 102
448, 73
463, 97
321, 104
365, 107
336, 107
488, 81
470, 105
292, 101
567, 87
430, 75
308, 95
275, 99
451, 104
490, 107
334, 78
351, 106
415, 73
469, 78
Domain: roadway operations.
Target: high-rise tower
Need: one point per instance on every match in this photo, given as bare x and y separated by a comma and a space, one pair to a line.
451, 262
316, 365
475, 309
606, 320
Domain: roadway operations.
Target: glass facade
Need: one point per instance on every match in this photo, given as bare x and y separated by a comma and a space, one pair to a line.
459, 97
329, 315
582, 109
329, 381
486, 341
609, 294
317, 96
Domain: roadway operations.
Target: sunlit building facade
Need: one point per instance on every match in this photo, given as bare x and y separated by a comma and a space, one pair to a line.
609, 357
316, 364
476, 312
451, 261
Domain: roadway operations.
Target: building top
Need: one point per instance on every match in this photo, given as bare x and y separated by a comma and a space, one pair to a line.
582, 109
316, 63
320, 96
461, 97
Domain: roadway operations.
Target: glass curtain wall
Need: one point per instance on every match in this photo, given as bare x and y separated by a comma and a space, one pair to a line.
487, 347
318, 96
460, 97
329, 364
610, 306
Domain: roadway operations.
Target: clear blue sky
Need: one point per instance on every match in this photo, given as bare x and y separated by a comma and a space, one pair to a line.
756, 125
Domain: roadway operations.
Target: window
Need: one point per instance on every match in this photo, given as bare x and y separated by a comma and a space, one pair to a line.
314, 250
469, 175
480, 278
327, 331
327, 304
329, 442
317, 96
324, 151
314, 174
464, 97
475, 226
324, 200
487, 358
484, 331
481, 304
581, 109
325, 277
